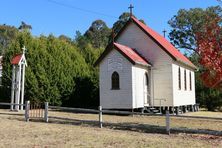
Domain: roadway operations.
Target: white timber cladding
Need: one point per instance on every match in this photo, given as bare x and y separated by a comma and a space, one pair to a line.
162, 90
182, 96
138, 75
122, 98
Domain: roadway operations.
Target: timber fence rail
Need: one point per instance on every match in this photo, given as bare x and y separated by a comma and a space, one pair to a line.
129, 113
9, 104
169, 119
74, 109
197, 117
100, 112
167, 127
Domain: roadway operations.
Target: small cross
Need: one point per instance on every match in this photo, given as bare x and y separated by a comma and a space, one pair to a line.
164, 33
131, 9
23, 49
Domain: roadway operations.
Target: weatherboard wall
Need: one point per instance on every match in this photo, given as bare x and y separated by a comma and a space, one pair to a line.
182, 96
115, 99
162, 88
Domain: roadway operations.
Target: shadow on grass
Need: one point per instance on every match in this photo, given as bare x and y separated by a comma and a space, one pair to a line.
12, 113
130, 126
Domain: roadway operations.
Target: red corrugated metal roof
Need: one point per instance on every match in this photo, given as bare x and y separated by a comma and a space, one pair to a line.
16, 59
130, 53
164, 43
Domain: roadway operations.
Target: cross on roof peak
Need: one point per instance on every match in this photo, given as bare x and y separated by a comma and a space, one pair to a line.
131, 9
164, 32
23, 49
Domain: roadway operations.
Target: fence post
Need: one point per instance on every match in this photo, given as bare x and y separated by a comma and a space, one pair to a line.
100, 117
46, 111
168, 122
27, 108
197, 107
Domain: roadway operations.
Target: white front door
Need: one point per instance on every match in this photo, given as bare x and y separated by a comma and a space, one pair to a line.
146, 89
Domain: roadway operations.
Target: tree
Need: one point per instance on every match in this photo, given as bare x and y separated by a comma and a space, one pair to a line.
209, 47
187, 23
123, 18
65, 38
7, 35
24, 26
98, 34
209, 98
53, 67
87, 50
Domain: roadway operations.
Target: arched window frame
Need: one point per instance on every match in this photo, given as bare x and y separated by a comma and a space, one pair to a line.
115, 85
147, 81
179, 78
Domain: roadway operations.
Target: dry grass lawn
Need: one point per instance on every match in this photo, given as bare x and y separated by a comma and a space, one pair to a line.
81, 130
205, 114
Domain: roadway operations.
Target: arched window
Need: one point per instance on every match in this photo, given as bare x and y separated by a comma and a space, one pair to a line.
115, 80
190, 81
179, 79
146, 79
185, 80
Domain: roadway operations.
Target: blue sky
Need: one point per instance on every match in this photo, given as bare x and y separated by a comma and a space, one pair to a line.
68, 16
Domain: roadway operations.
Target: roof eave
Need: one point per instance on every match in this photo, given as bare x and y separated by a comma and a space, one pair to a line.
142, 64
192, 66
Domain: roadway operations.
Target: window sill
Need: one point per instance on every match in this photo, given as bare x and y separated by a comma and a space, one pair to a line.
115, 89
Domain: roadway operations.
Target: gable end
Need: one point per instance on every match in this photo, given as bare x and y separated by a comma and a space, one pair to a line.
109, 48
142, 27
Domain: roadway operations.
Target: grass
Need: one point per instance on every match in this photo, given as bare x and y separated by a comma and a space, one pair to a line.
81, 130
205, 114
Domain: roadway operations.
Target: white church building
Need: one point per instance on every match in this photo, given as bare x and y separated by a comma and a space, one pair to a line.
140, 69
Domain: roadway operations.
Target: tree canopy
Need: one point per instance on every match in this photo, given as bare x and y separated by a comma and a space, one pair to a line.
123, 18
54, 69
7, 35
198, 30
209, 47
24, 26
186, 23
98, 34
